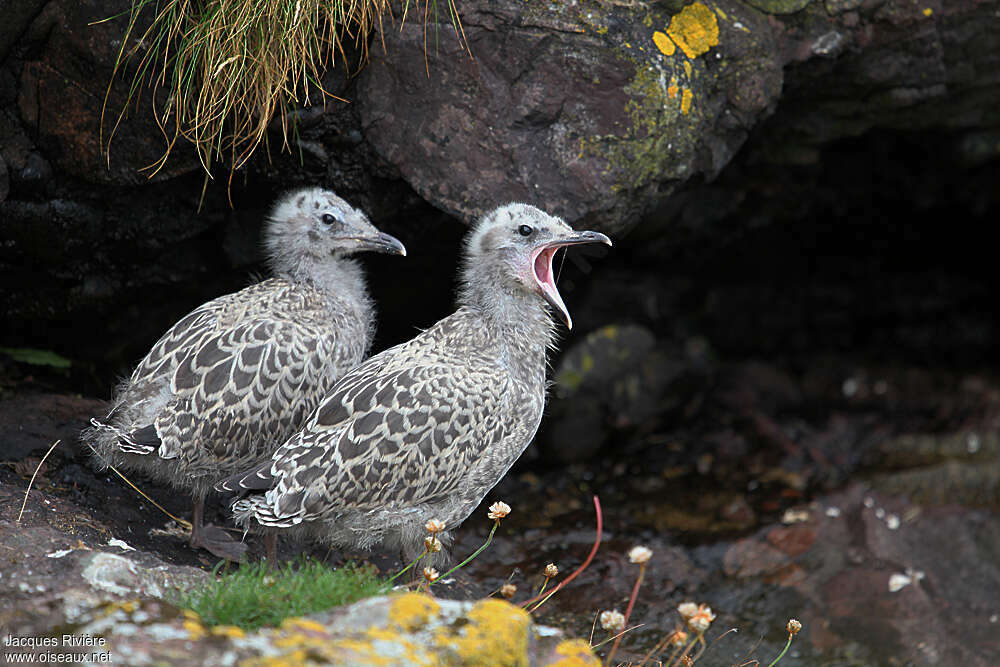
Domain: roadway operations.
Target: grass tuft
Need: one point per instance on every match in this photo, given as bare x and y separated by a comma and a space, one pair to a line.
257, 595
220, 70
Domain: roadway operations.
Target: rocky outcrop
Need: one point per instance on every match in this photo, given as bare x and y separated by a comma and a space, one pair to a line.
611, 114
600, 111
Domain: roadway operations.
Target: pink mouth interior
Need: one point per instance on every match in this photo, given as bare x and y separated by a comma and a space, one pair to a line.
546, 280
543, 267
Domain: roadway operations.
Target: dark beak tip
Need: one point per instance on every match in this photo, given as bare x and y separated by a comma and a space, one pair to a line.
389, 244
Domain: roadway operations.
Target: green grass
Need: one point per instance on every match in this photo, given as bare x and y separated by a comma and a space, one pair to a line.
257, 595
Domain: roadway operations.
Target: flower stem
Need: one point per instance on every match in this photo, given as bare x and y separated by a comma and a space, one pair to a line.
496, 522
403, 571
783, 651
628, 610
583, 566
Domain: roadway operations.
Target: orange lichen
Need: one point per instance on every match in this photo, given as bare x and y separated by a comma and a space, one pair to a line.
928, 12
672, 91
694, 30
230, 631
303, 625
412, 611
686, 101
194, 629
664, 43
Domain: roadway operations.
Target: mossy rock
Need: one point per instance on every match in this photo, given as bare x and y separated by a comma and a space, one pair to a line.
779, 6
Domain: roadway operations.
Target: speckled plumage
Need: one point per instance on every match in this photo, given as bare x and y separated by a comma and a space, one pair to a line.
233, 379
425, 429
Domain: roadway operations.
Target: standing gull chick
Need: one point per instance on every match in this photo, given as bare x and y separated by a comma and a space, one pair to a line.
238, 375
425, 429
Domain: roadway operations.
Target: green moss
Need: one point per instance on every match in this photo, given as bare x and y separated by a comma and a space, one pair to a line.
642, 153
257, 595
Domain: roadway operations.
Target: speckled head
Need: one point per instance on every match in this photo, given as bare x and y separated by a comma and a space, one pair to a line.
314, 223
517, 243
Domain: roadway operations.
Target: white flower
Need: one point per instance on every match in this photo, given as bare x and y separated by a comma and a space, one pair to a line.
793, 626
432, 544
434, 526
701, 619
640, 554
551, 570
430, 574
498, 510
687, 610
612, 621
508, 590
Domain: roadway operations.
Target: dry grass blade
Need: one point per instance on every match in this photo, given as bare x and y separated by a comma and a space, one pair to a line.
220, 70
186, 524
35, 474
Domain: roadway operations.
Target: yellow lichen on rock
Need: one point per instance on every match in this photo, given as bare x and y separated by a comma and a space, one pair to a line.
664, 43
496, 635
230, 631
694, 30
686, 96
294, 659
303, 624
412, 611
575, 653
194, 629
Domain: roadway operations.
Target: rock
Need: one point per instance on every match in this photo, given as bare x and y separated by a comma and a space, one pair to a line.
62, 97
397, 630
595, 112
915, 86
17, 15
4, 180
612, 380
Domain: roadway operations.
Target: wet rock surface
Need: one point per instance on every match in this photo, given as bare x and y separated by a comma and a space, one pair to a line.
829, 496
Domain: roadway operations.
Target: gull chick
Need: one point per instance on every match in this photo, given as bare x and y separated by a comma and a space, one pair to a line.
233, 379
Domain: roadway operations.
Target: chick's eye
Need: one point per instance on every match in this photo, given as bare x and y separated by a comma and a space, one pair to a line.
328, 219
524, 230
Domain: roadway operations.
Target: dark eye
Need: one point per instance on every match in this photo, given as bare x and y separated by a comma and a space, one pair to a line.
525, 230
328, 219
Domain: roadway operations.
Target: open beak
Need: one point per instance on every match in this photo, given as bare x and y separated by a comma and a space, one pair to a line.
381, 242
541, 265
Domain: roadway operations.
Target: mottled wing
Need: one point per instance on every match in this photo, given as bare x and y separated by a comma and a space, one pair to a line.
261, 478
247, 387
405, 436
178, 341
